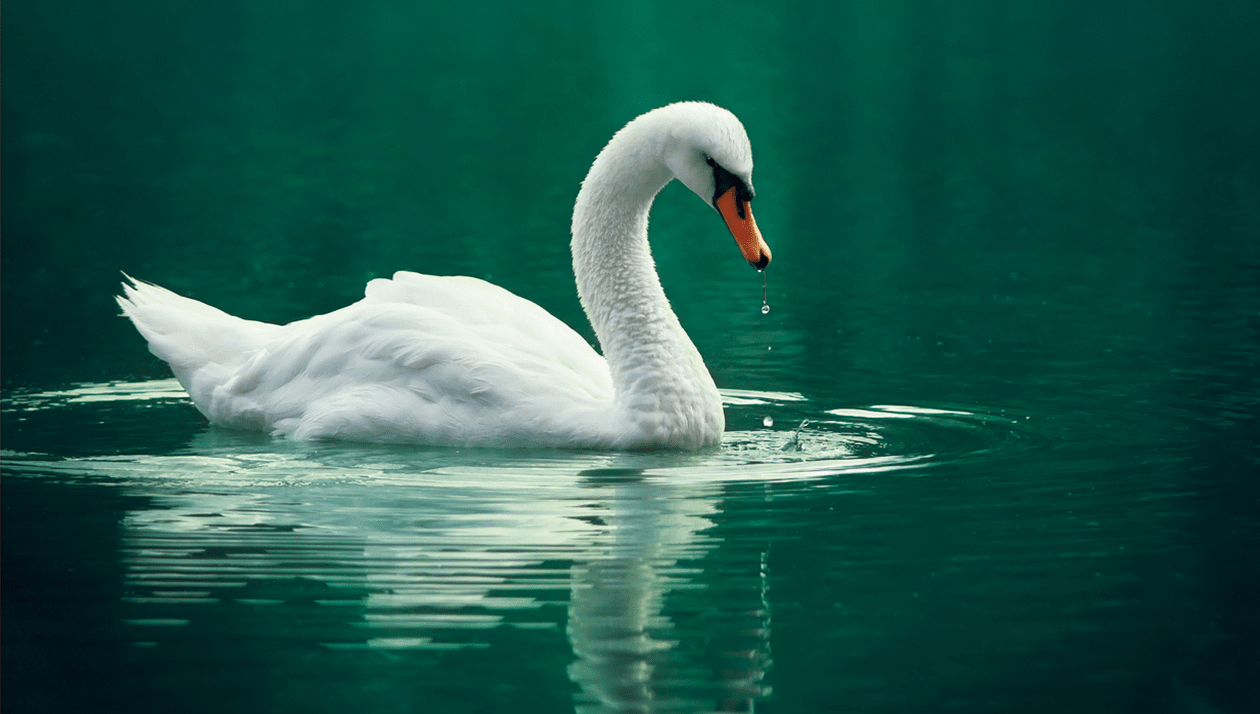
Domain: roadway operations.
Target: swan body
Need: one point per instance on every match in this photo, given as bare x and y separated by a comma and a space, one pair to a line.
459, 361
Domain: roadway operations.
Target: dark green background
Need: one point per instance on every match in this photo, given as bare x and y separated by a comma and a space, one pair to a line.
269, 157
1051, 208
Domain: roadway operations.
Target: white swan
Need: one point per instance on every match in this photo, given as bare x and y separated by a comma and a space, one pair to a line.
458, 361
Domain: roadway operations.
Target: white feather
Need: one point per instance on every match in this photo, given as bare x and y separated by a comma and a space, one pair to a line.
456, 360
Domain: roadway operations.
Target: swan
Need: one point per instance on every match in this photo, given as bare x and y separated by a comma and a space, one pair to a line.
458, 361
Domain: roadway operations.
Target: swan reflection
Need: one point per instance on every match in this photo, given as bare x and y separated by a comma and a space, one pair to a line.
631, 657
606, 568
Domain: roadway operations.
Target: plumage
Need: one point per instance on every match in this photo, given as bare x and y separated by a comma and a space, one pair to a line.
459, 361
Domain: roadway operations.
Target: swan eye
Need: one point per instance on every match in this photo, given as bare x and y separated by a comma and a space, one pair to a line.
724, 181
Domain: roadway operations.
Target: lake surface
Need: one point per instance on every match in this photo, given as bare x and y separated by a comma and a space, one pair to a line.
995, 447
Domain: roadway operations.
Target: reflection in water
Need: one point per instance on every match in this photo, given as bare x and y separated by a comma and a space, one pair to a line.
608, 582
236, 558
630, 654
439, 565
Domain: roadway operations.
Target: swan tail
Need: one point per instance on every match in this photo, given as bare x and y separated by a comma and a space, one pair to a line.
191, 336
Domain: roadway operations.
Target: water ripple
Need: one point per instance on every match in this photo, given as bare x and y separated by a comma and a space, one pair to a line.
643, 577
857, 439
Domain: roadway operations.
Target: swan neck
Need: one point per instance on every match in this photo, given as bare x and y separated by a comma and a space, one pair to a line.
653, 363
612, 261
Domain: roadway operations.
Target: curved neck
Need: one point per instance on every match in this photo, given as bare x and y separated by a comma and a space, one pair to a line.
653, 364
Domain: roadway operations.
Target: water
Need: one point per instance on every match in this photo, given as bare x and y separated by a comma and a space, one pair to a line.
794, 441
995, 449
620, 580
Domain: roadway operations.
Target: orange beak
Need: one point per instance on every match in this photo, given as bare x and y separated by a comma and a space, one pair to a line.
739, 219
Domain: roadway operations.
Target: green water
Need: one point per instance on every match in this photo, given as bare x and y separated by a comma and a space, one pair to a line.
1015, 292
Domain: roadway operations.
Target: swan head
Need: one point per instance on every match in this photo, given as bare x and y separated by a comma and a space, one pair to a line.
707, 149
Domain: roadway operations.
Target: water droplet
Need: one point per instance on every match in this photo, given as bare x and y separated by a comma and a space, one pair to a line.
765, 304
768, 421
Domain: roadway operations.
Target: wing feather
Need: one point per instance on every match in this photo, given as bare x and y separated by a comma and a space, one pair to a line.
443, 354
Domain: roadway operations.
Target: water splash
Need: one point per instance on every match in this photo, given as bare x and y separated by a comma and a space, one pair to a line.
794, 443
767, 421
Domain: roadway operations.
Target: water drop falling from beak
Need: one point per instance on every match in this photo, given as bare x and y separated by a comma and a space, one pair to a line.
765, 305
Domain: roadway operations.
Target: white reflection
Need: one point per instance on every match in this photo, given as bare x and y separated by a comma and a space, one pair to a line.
99, 392
630, 655
409, 549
